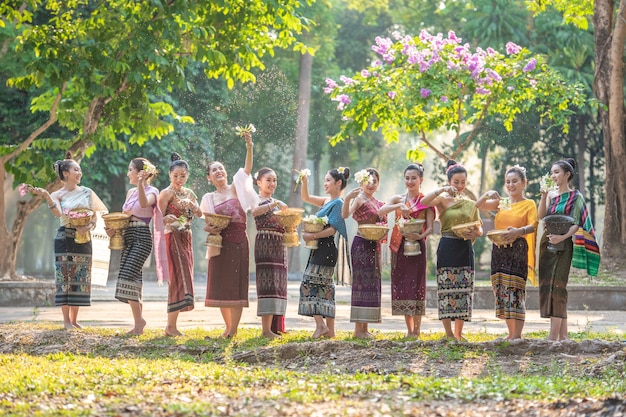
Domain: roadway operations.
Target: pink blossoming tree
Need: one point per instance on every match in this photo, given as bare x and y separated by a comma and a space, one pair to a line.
425, 83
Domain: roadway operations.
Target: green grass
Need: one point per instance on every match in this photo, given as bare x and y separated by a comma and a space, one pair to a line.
197, 375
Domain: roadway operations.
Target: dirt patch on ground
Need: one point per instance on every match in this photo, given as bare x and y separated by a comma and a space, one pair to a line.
441, 359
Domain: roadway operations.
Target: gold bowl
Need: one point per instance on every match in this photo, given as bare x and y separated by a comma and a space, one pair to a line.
290, 218
118, 222
312, 227
81, 222
461, 229
216, 220
411, 247
497, 237
373, 231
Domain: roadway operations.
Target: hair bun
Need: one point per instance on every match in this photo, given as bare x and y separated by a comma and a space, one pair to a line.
68, 155
346, 172
175, 157
571, 161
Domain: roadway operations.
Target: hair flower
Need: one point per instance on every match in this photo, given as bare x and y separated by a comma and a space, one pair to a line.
341, 170
149, 168
363, 177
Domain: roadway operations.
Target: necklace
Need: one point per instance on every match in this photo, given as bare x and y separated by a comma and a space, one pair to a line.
180, 194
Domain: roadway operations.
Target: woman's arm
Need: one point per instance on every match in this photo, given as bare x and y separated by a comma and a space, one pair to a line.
351, 203
329, 231
542, 208
394, 203
249, 145
488, 201
308, 198
266, 207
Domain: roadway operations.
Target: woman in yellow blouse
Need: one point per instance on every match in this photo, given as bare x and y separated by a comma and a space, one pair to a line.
512, 264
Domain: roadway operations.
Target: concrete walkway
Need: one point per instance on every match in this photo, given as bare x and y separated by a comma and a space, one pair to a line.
107, 312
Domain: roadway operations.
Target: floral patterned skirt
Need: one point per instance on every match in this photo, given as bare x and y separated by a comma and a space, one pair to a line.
72, 270
317, 290
455, 278
509, 271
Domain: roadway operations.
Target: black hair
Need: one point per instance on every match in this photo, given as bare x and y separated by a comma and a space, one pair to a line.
416, 166
178, 162
343, 175
63, 165
140, 163
263, 172
453, 167
567, 165
521, 171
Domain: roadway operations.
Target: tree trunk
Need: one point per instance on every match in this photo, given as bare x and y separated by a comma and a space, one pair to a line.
302, 139
609, 89
580, 157
483, 169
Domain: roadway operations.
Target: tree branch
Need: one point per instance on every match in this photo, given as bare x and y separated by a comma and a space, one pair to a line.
433, 147
477, 124
51, 120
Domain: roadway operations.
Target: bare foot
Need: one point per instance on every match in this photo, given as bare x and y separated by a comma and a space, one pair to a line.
172, 332
67, 326
363, 335
321, 331
76, 325
412, 335
270, 335
138, 329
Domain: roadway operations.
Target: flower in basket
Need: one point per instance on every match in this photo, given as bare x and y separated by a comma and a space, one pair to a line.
363, 177
183, 222
301, 174
246, 129
312, 218
546, 183
402, 221
74, 214
24, 188
504, 204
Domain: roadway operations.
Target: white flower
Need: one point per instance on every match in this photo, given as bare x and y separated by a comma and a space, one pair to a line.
246, 129
504, 204
302, 173
341, 170
547, 183
312, 218
362, 177
149, 168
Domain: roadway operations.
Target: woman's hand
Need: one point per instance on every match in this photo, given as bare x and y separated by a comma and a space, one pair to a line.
556, 239
110, 232
211, 229
280, 204
493, 195
412, 236
309, 236
353, 193
512, 234
169, 219
248, 137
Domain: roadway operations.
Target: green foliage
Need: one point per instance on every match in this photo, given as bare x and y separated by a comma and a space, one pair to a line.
114, 61
429, 82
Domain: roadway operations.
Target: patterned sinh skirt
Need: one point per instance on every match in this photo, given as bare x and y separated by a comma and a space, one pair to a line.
317, 290
180, 261
270, 256
509, 271
137, 248
408, 282
72, 269
455, 278
553, 276
366, 286
229, 272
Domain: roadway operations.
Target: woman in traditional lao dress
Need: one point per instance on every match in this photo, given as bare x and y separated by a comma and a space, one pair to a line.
72, 259
317, 290
141, 204
229, 271
455, 255
408, 273
179, 205
270, 256
513, 264
365, 256
582, 253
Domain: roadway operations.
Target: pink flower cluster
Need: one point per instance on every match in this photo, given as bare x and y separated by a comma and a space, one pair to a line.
74, 214
24, 189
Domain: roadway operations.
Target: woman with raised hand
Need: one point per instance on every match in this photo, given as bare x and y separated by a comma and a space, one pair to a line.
583, 252
141, 205
365, 255
72, 259
317, 290
270, 256
408, 272
229, 271
513, 263
179, 205
455, 254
